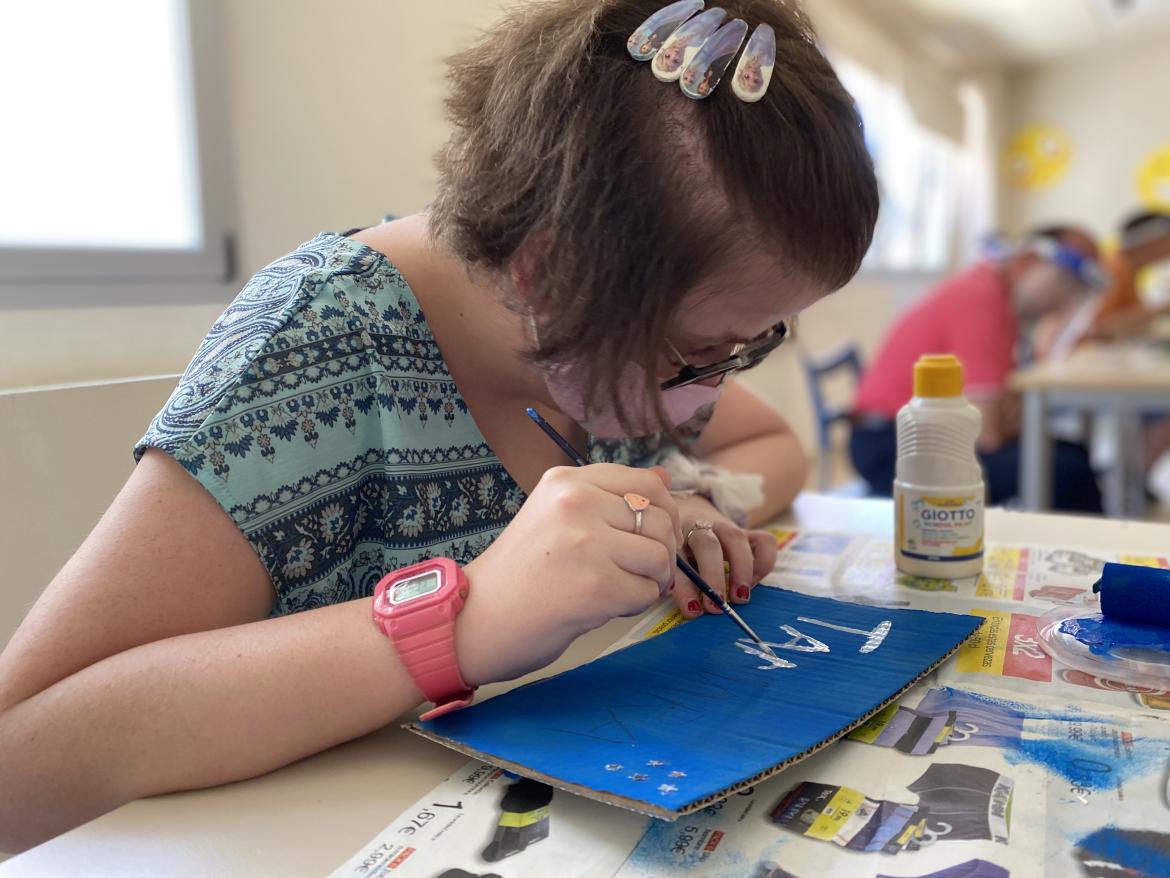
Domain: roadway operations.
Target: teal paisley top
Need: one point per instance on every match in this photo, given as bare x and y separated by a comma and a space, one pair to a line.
319, 413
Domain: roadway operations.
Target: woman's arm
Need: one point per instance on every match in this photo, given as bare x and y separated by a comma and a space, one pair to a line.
747, 435
194, 711
149, 665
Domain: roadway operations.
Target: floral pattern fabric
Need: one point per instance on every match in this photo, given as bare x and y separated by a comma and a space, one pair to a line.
320, 414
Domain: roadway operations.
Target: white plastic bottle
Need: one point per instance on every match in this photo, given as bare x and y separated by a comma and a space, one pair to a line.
938, 489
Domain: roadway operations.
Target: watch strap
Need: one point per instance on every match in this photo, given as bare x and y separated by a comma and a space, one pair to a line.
429, 656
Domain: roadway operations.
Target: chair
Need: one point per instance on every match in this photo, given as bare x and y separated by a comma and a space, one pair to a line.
817, 370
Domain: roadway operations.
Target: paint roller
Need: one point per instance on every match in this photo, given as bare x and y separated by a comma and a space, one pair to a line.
1140, 595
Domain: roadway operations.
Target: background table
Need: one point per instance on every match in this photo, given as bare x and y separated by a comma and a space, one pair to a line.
1122, 382
308, 818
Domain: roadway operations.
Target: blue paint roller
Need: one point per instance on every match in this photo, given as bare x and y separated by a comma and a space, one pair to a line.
1140, 595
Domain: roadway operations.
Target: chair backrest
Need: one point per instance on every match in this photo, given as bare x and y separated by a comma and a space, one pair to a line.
818, 368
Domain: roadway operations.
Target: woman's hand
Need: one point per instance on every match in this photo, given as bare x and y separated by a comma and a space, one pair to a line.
750, 555
568, 563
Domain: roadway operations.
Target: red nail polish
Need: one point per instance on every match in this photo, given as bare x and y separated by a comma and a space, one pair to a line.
693, 607
743, 593
672, 585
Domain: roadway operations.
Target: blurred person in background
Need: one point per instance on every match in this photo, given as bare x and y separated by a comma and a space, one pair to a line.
984, 316
1145, 242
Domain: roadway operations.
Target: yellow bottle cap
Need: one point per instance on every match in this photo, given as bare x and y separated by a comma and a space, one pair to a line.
938, 375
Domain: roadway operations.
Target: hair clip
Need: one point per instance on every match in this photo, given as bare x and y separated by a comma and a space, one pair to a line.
696, 48
682, 46
706, 69
754, 71
645, 42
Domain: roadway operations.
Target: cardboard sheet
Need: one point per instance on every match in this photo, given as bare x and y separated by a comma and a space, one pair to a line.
674, 723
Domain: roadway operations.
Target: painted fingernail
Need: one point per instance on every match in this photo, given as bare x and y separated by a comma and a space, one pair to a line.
693, 607
743, 592
712, 607
672, 585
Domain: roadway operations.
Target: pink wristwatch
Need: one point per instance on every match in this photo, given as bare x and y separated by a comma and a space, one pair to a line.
416, 608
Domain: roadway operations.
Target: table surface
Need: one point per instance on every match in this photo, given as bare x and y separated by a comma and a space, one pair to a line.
308, 818
1105, 368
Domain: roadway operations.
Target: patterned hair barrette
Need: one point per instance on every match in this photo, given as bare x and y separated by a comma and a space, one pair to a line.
753, 75
705, 72
681, 47
645, 42
695, 48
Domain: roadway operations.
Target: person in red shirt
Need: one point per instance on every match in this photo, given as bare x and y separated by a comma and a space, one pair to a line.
981, 316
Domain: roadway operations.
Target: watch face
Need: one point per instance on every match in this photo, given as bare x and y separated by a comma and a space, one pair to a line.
416, 587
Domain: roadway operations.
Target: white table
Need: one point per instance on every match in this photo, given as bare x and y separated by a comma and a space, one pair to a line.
308, 818
1122, 382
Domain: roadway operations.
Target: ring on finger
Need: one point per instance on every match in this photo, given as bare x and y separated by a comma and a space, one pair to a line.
638, 504
698, 526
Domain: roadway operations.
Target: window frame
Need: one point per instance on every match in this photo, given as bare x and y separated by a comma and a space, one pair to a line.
881, 262
48, 276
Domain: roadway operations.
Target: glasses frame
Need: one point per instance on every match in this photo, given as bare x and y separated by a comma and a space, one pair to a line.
743, 356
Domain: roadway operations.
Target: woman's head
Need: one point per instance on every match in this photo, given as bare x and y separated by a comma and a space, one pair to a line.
621, 212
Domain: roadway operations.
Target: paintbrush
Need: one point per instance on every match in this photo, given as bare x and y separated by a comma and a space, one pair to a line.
692, 574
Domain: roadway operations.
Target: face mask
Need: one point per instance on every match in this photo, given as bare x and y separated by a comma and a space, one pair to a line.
567, 386
568, 389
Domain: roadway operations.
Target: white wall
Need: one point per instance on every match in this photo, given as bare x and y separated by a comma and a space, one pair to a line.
1113, 104
64, 453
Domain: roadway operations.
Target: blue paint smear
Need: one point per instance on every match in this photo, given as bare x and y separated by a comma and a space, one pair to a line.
1104, 635
663, 849
1139, 852
1086, 749
690, 701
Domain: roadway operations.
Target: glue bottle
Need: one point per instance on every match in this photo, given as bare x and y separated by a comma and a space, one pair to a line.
938, 488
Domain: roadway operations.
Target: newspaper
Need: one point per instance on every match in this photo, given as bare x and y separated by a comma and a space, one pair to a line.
1002, 763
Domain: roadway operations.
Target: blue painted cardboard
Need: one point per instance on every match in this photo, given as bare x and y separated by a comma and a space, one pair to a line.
668, 725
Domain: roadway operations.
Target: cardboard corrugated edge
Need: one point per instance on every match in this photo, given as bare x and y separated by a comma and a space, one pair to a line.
649, 808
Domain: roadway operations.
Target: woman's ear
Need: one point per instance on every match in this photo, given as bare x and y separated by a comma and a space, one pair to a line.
526, 265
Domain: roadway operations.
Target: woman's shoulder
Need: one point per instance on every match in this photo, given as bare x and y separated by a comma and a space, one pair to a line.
291, 320
321, 416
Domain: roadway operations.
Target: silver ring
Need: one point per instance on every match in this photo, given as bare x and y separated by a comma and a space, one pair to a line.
637, 522
698, 525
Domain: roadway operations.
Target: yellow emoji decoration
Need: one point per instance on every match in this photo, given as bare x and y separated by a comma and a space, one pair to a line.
1037, 156
1153, 181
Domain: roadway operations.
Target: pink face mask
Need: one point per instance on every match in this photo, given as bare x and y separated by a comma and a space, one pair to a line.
568, 389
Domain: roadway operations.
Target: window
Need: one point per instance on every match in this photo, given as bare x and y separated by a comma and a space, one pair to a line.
919, 172
111, 165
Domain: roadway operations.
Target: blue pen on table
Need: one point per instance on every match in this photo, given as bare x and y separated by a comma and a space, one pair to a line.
574, 455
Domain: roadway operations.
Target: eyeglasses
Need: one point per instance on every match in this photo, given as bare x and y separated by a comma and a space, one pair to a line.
743, 356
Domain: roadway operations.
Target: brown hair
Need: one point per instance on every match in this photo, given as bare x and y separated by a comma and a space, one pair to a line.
633, 191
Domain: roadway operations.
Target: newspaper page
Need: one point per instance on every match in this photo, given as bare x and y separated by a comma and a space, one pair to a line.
1002, 763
